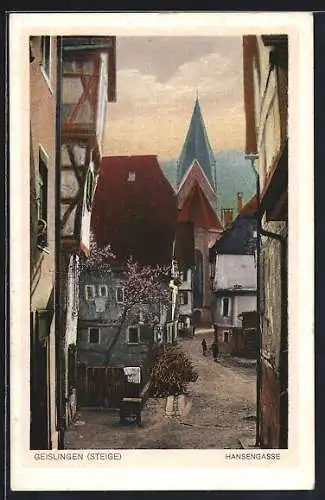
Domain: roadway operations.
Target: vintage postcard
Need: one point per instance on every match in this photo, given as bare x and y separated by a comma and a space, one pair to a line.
161, 251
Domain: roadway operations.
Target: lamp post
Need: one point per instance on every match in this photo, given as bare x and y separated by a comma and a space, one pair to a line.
253, 157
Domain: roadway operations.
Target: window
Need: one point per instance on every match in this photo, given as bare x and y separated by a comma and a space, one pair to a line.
225, 306
94, 335
133, 335
90, 292
131, 176
120, 294
226, 336
102, 291
42, 199
185, 274
183, 298
46, 54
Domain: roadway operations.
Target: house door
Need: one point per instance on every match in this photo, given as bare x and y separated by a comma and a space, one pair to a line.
196, 318
39, 391
40, 439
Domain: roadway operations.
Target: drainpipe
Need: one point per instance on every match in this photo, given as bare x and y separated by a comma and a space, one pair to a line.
59, 338
283, 337
252, 157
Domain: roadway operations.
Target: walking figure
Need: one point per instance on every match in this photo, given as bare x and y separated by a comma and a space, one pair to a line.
215, 350
204, 347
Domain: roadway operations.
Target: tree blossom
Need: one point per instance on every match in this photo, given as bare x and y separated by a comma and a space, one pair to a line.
99, 258
146, 288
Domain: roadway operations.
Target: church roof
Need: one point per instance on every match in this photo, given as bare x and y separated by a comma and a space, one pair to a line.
197, 147
233, 172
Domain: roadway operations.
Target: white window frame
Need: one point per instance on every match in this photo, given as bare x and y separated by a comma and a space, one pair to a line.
92, 287
47, 76
222, 307
100, 293
137, 327
99, 334
116, 294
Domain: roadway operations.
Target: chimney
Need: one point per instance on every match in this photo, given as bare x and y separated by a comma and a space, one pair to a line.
239, 202
227, 217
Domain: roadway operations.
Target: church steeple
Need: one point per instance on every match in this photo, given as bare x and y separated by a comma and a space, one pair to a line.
197, 147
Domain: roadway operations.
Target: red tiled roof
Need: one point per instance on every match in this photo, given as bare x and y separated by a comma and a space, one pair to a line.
137, 217
250, 208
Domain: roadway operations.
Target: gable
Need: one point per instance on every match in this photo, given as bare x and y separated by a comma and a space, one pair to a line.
196, 175
197, 209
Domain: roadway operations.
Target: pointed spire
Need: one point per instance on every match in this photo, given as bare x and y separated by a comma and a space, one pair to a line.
197, 147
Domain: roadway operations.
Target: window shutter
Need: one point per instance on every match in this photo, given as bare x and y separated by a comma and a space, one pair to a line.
89, 189
42, 324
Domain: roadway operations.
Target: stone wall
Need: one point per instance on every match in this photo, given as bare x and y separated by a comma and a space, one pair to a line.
273, 335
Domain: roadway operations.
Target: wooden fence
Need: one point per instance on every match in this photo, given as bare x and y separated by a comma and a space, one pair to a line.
99, 386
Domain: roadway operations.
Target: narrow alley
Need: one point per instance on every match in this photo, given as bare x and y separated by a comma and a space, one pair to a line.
218, 412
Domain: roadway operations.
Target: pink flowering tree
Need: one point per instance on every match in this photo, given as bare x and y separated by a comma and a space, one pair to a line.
146, 288
99, 258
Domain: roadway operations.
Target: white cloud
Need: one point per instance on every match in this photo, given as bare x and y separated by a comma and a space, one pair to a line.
149, 114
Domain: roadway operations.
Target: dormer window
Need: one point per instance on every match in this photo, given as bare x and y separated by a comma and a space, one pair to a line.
131, 176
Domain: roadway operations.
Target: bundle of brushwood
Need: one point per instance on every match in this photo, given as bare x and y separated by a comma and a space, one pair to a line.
171, 372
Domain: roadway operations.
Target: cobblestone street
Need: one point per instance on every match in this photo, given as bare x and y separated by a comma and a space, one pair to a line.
218, 411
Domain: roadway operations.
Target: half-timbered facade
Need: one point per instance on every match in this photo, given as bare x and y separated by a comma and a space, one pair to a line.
88, 85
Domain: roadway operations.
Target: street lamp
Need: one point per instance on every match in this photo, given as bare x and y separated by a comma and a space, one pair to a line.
254, 157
